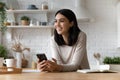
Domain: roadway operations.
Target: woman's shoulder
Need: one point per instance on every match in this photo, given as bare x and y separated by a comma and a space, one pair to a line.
81, 37
82, 34
52, 39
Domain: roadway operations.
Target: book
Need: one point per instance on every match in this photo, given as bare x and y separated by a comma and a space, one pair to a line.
30, 70
96, 71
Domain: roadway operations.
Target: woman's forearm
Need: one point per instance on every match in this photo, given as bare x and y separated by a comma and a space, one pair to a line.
59, 68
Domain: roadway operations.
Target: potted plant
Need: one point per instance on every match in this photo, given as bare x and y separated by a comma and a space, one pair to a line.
3, 51
25, 20
2, 17
114, 62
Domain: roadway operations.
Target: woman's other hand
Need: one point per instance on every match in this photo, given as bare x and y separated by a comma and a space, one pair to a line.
42, 65
53, 66
49, 65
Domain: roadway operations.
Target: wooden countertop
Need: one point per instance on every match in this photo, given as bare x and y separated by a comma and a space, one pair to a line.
60, 76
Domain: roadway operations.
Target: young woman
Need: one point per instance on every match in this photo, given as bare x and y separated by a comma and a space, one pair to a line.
68, 45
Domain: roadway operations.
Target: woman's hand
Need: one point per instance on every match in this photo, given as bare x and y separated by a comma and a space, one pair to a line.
42, 65
49, 65
53, 66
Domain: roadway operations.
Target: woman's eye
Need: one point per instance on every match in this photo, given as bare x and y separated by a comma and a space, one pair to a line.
54, 21
61, 21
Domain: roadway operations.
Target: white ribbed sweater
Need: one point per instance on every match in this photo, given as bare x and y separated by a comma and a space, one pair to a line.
71, 57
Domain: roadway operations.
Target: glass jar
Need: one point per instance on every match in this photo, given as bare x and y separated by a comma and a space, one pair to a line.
45, 5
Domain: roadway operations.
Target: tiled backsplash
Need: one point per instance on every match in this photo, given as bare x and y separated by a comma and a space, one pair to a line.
37, 39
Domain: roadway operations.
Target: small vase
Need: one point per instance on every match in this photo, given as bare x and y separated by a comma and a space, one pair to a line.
97, 61
18, 60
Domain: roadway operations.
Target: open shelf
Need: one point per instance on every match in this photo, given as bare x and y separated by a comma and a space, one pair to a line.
20, 26
27, 11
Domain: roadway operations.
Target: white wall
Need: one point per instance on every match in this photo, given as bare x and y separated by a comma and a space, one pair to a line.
101, 34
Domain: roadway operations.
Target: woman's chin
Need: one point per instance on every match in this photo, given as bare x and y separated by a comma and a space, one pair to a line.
59, 33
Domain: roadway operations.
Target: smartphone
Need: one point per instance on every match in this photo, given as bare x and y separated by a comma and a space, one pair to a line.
41, 57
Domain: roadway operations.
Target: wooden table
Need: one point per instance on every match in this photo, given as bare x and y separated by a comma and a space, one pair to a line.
60, 76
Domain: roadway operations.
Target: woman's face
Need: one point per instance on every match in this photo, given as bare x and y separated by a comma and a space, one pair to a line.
62, 24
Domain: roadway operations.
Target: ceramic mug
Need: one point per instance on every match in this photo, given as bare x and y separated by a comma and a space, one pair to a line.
10, 64
1, 61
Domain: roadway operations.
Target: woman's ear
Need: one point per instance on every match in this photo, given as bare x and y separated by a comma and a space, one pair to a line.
72, 23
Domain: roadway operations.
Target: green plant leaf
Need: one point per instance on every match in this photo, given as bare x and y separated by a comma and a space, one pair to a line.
111, 60
3, 28
3, 51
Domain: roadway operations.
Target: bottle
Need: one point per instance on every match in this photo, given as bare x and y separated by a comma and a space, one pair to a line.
34, 65
31, 23
37, 23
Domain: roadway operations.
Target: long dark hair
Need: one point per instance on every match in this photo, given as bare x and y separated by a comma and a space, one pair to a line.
73, 31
